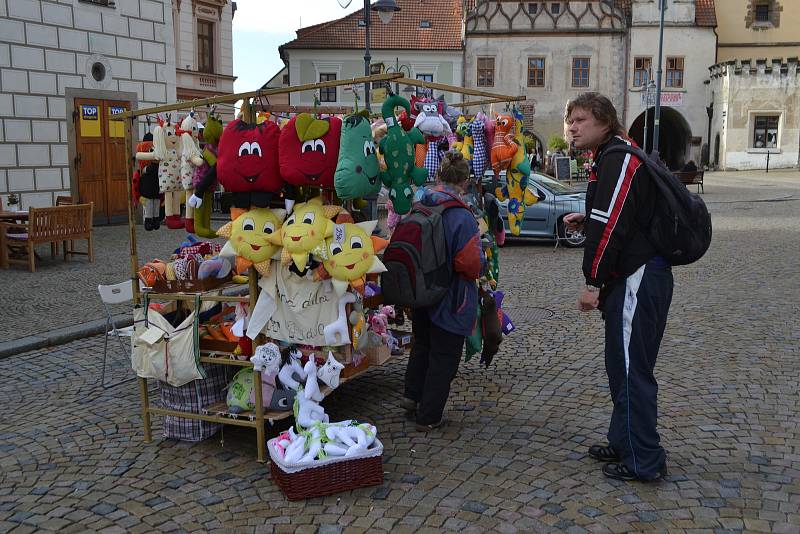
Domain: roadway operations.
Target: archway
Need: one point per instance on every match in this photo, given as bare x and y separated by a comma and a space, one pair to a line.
539, 146
673, 137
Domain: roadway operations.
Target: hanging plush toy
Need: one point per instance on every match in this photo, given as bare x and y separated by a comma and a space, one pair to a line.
304, 232
351, 255
205, 179
191, 159
309, 150
357, 171
247, 164
147, 187
516, 190
503, 146
398, 149
467, 144
480, 154
430, 122
249, 238
166, 144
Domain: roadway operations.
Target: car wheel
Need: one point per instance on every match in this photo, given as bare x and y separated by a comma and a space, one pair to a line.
568, 238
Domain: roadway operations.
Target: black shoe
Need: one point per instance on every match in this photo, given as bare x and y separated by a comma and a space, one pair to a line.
603, 453
156, 223
410, 408
619, 471
148, 224
427, 428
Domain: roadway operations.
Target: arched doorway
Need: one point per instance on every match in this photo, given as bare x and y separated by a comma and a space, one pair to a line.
673, 137
539, 146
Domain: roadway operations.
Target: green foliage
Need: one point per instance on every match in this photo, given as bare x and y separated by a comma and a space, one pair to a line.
557, 142
530, 144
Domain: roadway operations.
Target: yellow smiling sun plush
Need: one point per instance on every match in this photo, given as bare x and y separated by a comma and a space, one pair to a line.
351, 255
249, 238
304, 232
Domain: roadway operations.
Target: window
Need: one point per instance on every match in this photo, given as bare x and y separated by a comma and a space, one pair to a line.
580, 72
205, 46
642, 71
327, 94
555, 8
424, 24
533, 7
485, 72
107, 3
674, 72
535, 72
285, 79
765, 132
762, 12
423, 91
377, 68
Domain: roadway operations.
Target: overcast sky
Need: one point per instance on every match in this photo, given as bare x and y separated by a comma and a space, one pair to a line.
261, 26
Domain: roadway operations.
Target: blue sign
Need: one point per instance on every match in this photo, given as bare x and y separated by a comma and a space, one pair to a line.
89, 113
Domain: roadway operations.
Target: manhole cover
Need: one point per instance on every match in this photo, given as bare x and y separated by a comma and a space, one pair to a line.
530, 314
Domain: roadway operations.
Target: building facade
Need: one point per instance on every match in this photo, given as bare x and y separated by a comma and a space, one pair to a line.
64, 67
425, 44
755, 88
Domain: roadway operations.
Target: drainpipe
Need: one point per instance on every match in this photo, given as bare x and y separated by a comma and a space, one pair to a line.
625, 90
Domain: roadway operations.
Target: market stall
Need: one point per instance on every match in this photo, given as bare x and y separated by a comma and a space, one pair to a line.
293, 300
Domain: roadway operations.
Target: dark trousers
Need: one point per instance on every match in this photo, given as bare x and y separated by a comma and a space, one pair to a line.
432, 365
635, 311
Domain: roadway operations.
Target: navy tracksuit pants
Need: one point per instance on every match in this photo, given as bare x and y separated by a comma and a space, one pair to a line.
635, 312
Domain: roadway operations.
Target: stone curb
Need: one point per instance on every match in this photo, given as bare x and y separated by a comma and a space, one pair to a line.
60, 336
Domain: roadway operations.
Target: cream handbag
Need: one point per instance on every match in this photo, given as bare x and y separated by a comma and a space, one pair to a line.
164, 352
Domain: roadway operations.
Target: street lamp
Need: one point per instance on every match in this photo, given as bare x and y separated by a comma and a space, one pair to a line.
649, 100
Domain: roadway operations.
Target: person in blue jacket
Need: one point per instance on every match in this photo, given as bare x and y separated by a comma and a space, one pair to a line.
440, 330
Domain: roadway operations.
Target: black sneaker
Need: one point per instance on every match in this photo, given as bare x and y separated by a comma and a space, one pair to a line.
620, 471
603, 453
148, 224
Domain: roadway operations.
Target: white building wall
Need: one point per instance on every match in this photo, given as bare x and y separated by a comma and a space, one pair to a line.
49, 46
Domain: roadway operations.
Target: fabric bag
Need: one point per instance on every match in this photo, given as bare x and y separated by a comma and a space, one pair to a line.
193, 397
164, 352
680, 229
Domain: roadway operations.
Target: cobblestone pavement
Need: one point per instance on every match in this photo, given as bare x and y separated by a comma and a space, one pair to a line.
512, 457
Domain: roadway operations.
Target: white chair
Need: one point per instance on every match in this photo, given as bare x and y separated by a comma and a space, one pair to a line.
115, 294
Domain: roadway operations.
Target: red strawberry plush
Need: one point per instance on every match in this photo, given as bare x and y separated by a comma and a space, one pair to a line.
309, 150
247, 162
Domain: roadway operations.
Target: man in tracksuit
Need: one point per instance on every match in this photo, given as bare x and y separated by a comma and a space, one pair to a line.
628, 281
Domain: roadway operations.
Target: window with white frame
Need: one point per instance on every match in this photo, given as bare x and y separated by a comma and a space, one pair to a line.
327, 94
765, 131
205, 46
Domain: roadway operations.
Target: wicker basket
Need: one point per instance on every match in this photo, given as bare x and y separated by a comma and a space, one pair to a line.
327, 477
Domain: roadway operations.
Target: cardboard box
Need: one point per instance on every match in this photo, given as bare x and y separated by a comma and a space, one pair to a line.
379, 355
404, 339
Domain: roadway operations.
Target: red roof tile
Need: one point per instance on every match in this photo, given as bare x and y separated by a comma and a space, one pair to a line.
403, 32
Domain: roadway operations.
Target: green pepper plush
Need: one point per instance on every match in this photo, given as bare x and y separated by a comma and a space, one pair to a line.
397, 148
357, 171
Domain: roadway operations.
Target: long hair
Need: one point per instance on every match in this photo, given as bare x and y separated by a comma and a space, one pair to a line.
600, 107
190, 147
160, 133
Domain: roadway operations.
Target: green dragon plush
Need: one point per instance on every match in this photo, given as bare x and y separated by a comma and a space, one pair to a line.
357, 171
397, 148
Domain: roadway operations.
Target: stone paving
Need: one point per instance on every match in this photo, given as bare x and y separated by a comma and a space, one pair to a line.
512, 458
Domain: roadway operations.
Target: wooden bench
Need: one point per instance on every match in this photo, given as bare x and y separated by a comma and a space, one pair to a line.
692, 178
46, 225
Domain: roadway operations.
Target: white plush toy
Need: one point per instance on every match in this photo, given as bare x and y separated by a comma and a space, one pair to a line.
311, 391
290, 368
308, 412
329, 373
337, 331
267, 359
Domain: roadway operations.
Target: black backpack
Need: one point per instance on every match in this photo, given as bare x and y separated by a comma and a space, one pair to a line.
680, 228
418, 270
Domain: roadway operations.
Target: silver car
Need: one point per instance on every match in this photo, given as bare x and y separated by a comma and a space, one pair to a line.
544, 219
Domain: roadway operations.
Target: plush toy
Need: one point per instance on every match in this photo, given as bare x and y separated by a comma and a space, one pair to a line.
338, 332
467, 144
398, 149
307, 412
304, 232
204, 180
351, 255
267, 359
503, 147
191, 159
166, 145
309, 150
247, 164
490, 324
480, 154
392, 218
330, 371
147, 187
516, 189
291, 371
430, 122
249, 238
357, 171
311, 390
474, 341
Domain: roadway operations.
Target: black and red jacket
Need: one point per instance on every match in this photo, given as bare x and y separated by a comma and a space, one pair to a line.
619, 200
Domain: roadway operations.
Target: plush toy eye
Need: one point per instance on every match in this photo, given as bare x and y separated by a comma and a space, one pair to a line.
244, 149
308, 218
392, 193
319, 145
248, 225
290, 220
308, 146
336, 248
269, 227
408, 193
355, 242
255, 149
369, 148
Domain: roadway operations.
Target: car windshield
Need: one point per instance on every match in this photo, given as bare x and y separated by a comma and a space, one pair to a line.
553, 185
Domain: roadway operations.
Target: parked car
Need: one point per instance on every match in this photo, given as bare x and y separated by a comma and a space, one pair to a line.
543, 220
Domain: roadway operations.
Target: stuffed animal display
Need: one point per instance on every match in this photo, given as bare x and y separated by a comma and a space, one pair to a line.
146, 184
516, 189
357, 171
304, 232
191, 159
480, 153
166, 146
204, 180
398, 150
249, 238
430, 122
309, 150
503, 146
351, 255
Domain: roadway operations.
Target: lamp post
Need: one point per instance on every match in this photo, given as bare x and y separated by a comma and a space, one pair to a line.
385, 10
662, 6
649, 94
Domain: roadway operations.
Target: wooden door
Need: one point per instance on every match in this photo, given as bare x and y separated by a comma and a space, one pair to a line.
100, 159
